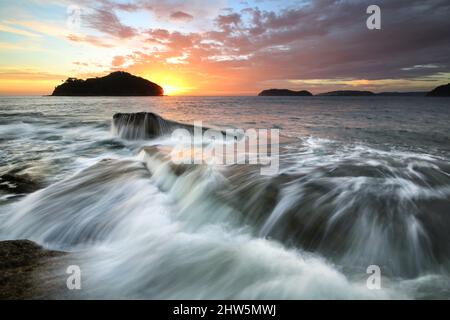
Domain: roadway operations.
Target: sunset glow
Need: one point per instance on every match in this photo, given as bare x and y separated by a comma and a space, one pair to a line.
172, 85
170, 90
220, 47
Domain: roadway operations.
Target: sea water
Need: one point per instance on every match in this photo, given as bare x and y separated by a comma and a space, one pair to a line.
362, 181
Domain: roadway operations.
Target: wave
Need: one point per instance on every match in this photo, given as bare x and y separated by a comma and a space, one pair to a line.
144, 227
145, 125
135, 240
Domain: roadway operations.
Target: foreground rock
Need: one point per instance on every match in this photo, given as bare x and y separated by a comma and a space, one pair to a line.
441, 91
147, 125
284, 92
24, 268
347, 93
14, 182
115, 84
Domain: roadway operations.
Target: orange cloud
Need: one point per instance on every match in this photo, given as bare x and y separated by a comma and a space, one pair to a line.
118, 61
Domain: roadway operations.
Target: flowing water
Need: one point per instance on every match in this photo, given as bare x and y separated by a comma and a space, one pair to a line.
362, 181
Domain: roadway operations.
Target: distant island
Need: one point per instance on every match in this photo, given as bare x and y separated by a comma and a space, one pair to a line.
117, 83
402, 94
441, 91
347, 93
283, 92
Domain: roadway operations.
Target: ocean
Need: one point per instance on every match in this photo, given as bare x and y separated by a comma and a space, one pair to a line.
362, 181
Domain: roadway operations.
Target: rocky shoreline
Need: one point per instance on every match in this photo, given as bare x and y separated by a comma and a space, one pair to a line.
25, 270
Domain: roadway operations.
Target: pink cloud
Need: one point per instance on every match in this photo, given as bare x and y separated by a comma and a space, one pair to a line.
118, 61
181, 16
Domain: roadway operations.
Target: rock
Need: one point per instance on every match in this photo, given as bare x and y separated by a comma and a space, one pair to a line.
16, 183
347, 93
23, 267
147, 125
141, 125
162, 155
284, 92
117, 83
441, 91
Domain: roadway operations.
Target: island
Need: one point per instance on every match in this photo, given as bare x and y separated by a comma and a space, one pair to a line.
347, 93
118, 83
284, 93
441, 91
402, 94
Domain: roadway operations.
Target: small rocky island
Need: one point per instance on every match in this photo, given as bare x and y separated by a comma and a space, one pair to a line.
117, 83
441, 91
284, 92
347, 93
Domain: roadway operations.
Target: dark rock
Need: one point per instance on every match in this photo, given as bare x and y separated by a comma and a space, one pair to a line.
23, 264
347, 93
117, 83
141, 125
17, 183
284, 92
147, 125
441, 91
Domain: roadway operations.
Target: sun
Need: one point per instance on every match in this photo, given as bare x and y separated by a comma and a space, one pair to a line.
171, 90
173, 85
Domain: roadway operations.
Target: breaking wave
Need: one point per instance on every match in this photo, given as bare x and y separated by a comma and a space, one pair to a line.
144, 227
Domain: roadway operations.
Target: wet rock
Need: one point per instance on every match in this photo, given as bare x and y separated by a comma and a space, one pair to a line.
17, 183
23, 269
148, 125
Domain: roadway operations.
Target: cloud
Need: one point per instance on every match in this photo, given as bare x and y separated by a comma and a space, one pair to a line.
92, 40
28, 74
329, 39
229, 21
34, 28
118, 61
80, 64
184, 10
6, 28
181, 16
322, 40
303, 41
106, 21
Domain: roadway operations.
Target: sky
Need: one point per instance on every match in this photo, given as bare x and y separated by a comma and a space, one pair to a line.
204, 47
